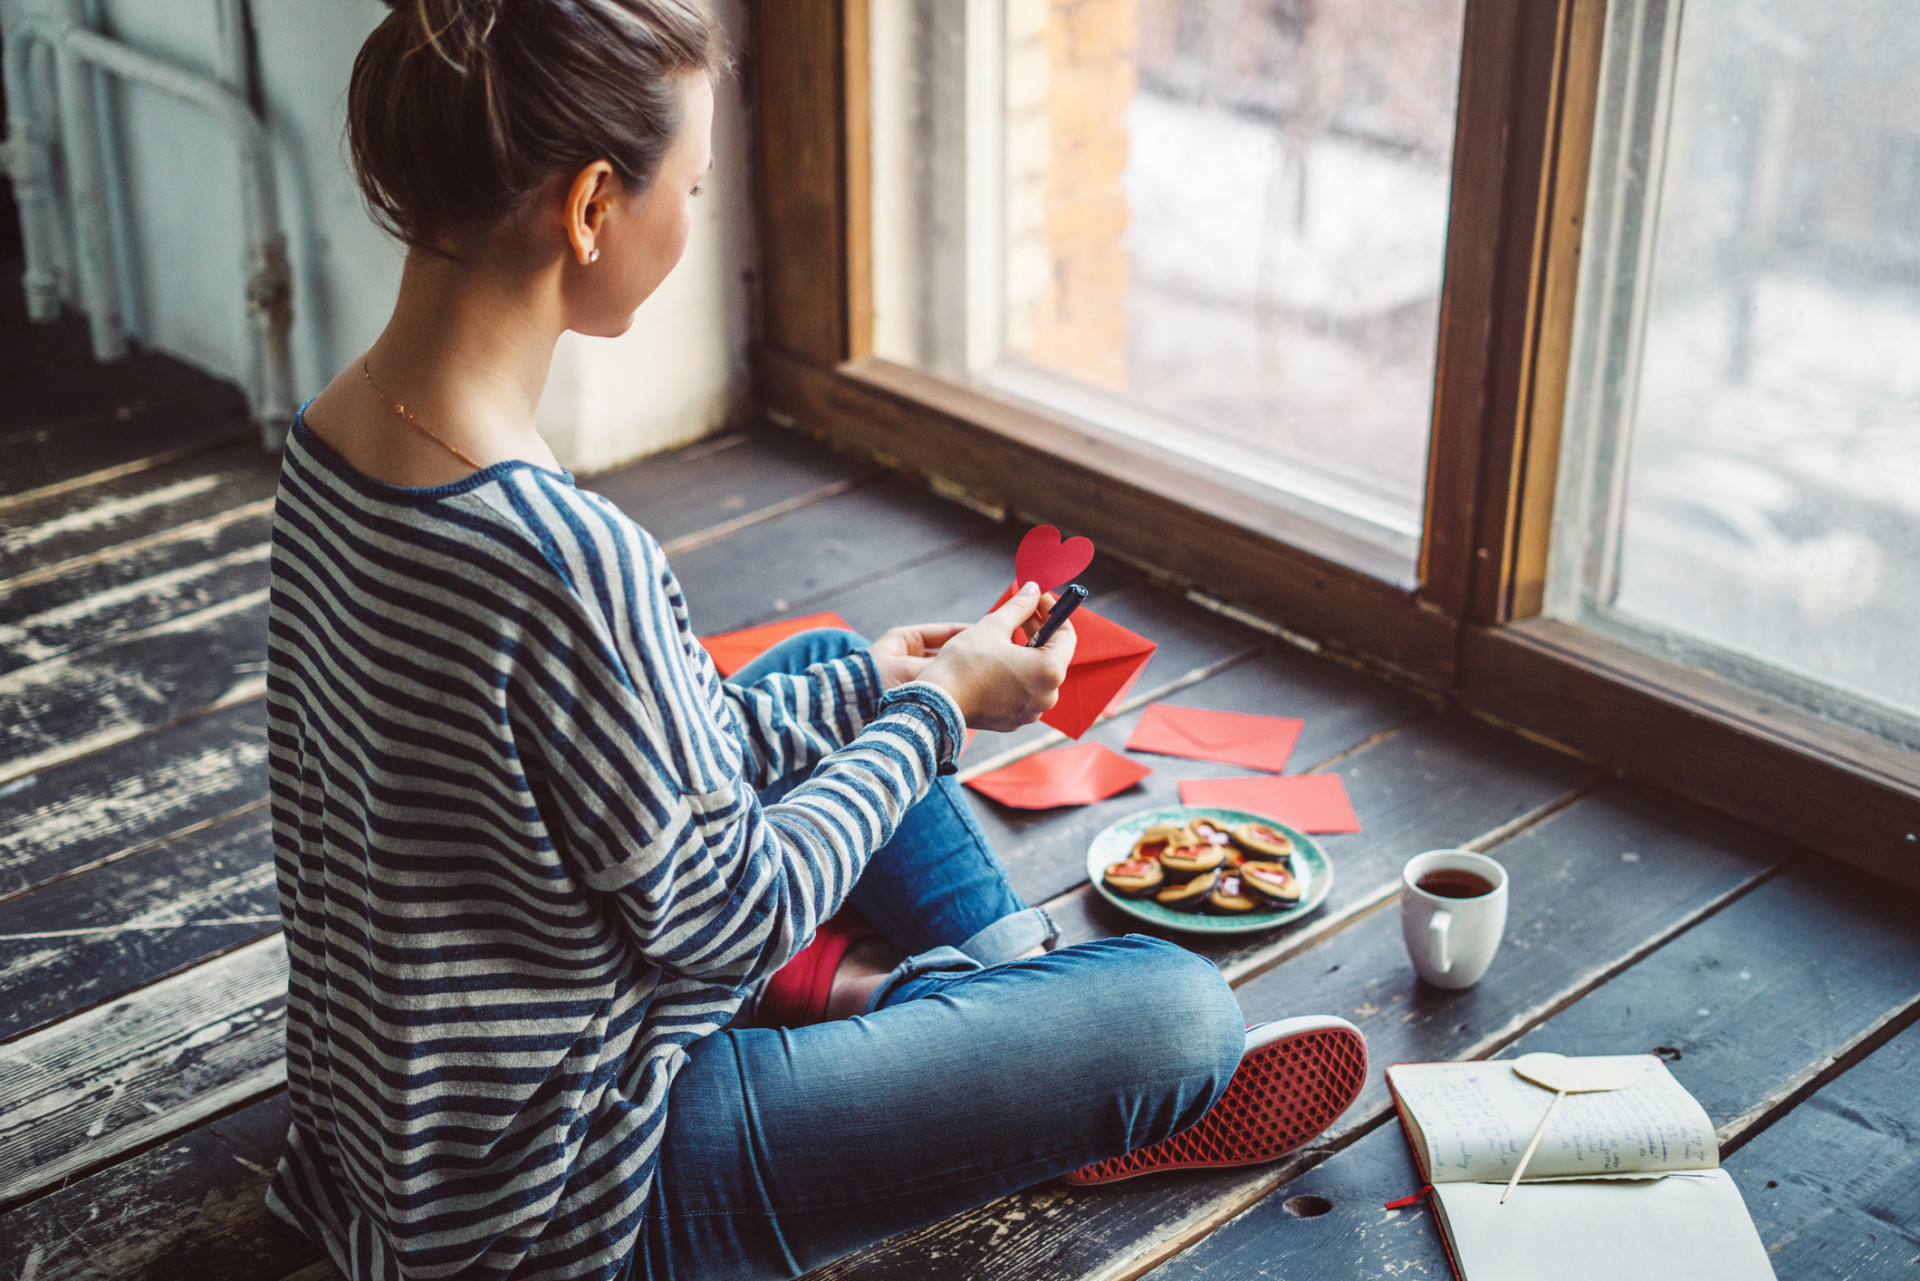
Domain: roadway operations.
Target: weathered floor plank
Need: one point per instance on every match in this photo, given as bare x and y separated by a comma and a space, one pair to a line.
1686, 863
1835, 1187
92, 937
787, 564
103, 806
46, 440
69, 706
695, 494
114, 597
88, 1089
42, 535
1746, 1007
192, 1209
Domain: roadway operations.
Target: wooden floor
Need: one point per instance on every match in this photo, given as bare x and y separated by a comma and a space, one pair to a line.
142, 981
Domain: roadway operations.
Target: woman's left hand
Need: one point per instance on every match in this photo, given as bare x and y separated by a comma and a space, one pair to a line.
903, 653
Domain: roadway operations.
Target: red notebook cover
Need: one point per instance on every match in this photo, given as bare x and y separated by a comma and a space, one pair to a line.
1426, 1183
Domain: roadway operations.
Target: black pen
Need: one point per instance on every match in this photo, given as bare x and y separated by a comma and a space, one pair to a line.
1071, 597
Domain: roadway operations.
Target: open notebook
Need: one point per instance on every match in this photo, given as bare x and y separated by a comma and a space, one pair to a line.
1624, 1185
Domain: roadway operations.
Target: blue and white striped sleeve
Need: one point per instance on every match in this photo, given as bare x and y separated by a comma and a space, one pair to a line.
647, 791
787, 723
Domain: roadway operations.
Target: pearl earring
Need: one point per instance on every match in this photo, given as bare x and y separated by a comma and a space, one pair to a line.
593, 255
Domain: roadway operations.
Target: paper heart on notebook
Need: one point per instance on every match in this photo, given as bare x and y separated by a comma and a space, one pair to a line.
1045, 560
1107, 660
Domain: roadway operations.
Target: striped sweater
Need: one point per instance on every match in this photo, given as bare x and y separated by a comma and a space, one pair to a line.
521, 863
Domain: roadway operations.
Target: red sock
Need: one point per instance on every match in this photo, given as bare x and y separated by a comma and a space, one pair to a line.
797, 995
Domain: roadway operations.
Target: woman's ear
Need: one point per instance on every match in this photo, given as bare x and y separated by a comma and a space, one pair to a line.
588, 199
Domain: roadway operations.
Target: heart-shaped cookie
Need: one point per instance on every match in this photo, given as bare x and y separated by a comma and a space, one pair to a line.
1046, 560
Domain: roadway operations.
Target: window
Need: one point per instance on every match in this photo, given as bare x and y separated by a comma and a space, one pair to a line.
1043, 255
1740, 469
1213, 227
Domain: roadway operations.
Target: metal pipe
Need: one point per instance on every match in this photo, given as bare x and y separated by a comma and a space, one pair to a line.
86, 181
30, 165
269, 280
269, 288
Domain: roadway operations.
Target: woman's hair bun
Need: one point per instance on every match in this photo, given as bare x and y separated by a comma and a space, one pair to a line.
459, 110
457, 30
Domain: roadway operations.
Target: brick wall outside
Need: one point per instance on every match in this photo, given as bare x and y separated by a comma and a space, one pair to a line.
1070, 77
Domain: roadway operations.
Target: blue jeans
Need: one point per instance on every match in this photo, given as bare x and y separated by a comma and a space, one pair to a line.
972, 1075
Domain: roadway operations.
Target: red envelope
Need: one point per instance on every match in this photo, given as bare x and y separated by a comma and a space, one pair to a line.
1310, 802
1231, 738
1076, 775
732, 651
1107, 660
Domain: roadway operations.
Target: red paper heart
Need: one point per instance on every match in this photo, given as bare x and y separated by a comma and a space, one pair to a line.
1045, 560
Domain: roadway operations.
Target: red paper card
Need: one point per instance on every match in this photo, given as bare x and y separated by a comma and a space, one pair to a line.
732, 651
1107, 660
1310, 802
1076, 775
1231, 738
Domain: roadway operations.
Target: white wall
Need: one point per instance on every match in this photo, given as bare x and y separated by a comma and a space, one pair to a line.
678, 374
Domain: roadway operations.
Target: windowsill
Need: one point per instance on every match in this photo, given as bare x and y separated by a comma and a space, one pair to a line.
1341, 505
1837, 789
1004, 454
1363, 546
1709, 694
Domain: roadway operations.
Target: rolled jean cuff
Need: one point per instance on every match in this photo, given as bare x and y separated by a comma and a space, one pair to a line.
999, 943
1009, 936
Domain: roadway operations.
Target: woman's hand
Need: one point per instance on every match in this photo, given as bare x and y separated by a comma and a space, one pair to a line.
998, 684
904, 653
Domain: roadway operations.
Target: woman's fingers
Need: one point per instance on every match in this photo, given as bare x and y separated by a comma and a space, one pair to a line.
1016, 611
1060, 647
931, 636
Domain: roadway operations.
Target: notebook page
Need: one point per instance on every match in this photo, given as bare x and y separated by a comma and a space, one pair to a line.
1476, 1119
1693, 1226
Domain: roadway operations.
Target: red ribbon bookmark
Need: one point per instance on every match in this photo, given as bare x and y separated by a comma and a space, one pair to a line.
1406, 1201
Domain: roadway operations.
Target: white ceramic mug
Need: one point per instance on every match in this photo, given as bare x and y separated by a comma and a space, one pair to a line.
1452, 940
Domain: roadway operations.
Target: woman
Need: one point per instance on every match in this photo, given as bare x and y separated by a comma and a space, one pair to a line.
535, 856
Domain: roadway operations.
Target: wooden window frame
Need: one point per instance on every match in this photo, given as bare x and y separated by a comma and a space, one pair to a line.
1470, 626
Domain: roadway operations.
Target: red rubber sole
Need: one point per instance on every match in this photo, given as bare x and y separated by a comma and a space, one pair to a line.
1286, 1092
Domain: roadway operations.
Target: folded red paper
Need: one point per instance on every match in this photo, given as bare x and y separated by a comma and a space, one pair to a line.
1231, 738
1107, 660
732, 651
1077, 775
1310, 802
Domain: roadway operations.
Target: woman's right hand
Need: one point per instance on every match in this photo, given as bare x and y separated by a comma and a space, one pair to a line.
998, 684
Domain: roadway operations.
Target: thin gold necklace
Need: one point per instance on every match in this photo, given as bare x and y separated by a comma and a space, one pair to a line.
401, 410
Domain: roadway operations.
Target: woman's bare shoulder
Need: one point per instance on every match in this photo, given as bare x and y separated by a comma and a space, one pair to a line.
375, 441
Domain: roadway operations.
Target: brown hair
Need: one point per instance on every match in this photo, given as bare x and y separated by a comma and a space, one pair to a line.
459, 109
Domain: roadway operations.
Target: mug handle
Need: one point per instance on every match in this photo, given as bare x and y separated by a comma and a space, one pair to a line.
1438, 927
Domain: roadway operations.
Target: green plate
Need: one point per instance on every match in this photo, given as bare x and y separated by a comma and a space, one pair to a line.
1310, 866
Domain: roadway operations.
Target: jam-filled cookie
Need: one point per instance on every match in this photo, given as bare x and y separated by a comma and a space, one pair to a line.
1190, 897
1134, 877
1272, 883
1183, 861
1230, 898
1261, 841
1204, 831
1158, 839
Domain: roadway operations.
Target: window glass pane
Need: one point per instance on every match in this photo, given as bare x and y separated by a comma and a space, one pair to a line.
1741, 485
1215, 226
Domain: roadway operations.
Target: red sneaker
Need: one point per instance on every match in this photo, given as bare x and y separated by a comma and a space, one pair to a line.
797, 995
1296, 1077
